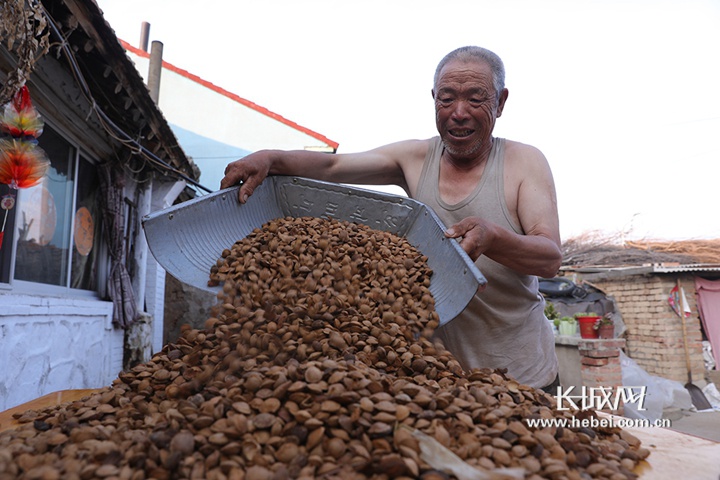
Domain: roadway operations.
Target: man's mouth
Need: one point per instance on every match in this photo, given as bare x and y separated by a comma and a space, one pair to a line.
460, 133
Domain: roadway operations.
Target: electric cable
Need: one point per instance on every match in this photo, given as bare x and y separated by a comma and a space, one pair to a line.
107, 123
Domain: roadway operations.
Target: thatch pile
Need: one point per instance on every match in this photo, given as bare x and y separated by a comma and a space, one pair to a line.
605, 250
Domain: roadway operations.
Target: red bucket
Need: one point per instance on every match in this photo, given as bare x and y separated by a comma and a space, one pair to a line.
587, 327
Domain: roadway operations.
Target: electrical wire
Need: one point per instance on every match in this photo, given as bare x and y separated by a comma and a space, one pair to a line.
108, 125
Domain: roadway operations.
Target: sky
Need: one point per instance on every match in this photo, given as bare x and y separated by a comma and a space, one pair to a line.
622, 97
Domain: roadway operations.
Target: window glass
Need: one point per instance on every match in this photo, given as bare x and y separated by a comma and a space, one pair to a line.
44, 217
8, 200
87, 228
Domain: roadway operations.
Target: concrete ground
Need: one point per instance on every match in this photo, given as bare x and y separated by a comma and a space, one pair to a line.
701, 424
705, 424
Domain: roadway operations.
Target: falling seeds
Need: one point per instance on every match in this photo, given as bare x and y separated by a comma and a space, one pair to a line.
316, 363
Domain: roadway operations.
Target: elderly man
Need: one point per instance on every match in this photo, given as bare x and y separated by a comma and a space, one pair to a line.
497, 195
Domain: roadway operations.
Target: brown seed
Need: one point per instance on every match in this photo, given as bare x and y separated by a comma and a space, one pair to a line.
183, 442
257, 472
330, 406
312, 363
337, 341
270, 405
264, 420
314, 437
43, 472
336, 447
287, 452
402, 412
218, 439
386, 406
379, 429
313, 375
106, 471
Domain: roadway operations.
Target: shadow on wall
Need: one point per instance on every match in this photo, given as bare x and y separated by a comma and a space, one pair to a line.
211, 156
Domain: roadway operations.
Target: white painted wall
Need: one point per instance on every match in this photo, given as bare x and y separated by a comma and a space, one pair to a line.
50, 343
207, 112
163, 196
215, 126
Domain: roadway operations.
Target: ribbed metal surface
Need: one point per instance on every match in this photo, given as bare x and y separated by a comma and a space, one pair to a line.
187, 239
693, 267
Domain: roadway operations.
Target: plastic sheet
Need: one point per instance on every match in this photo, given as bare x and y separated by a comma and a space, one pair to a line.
661, 393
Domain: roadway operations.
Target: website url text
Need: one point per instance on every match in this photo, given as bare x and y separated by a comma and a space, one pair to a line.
598, 422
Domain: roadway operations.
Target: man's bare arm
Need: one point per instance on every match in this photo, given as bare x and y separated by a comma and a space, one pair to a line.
386, 165
527, 254
537, 251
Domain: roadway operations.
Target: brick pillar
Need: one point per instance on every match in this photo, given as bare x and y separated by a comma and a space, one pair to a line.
600, 365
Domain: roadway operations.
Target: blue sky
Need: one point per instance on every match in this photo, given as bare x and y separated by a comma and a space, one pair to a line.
621, 96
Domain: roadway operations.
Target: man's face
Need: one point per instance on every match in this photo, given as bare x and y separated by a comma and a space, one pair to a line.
466, 107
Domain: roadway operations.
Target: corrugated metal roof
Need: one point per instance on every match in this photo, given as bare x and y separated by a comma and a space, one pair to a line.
643, 269
697, 267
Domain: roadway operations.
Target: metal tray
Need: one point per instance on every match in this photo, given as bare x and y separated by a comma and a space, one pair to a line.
187, 239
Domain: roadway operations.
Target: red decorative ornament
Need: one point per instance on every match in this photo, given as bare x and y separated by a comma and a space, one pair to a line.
19, 118
22, 164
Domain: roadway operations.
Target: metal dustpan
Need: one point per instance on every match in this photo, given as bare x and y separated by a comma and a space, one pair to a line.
187, 239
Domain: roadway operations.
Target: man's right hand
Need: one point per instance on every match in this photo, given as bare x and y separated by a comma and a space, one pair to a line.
250, 171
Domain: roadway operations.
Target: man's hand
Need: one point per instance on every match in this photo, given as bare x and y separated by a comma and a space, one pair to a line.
251, 171
529, 254
474, 234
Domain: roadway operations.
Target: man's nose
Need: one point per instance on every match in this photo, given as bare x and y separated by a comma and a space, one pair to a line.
461, 111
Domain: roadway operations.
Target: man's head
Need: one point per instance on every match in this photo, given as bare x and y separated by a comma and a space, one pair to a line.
480, 54
469, 96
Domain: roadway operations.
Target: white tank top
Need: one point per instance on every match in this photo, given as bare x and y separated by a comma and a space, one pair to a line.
505, 325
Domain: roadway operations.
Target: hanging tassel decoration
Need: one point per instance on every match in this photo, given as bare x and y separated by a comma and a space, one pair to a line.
22, 163
20, 119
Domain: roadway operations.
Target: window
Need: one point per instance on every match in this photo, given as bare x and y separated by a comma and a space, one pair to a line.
87, 235
58, 224
8, 213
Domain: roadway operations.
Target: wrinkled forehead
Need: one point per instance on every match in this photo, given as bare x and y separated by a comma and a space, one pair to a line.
465, 70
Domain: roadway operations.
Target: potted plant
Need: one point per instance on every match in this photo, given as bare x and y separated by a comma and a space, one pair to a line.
553, 316
605, 326
567, 326
586, 322
550, 312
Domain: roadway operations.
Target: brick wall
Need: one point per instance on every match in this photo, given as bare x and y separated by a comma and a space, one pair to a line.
654, 331
600, 365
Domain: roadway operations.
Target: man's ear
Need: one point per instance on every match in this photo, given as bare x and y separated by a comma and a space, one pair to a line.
432, 92
501, 101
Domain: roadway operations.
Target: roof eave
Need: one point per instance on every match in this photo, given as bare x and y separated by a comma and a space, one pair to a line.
91, 20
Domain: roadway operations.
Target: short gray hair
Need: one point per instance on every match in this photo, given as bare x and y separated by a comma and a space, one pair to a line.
477, 54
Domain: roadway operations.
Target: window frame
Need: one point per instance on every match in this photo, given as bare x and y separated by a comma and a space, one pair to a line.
103, 266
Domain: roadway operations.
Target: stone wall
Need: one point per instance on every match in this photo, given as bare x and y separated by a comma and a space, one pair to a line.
50, 343
138, 342
185, 305
654, 331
